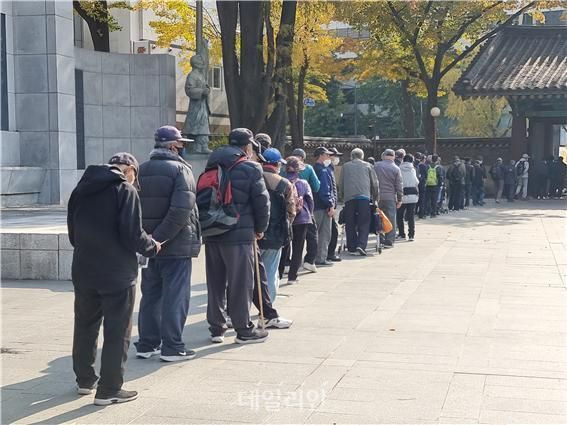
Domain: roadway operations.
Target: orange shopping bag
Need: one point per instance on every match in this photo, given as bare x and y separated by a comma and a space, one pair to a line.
386, 223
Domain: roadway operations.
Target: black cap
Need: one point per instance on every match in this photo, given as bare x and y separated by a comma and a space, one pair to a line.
125, 158
321, 150
241, 137
335, 152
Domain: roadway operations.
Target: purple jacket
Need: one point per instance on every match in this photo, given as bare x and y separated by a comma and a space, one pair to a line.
305, 216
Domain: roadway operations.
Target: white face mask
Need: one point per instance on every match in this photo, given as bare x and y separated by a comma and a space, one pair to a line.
336, 160
327, 162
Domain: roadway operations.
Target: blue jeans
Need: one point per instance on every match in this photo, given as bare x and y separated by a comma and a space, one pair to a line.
166, 288
271, 259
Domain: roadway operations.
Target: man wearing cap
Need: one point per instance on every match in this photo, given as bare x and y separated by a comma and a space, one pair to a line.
230, 255
282, 213
391, 191
522, 171
332, 250
171, 217
105, 228
308, 174
324, 203
263, 140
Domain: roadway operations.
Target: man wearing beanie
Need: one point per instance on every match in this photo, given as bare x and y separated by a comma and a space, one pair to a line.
169, 214
391, 191
230, 255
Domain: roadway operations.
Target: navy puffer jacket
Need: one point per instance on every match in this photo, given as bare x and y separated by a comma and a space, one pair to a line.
169, 212
249, 193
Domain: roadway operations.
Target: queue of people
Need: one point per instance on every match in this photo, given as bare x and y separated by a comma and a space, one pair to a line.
260, 216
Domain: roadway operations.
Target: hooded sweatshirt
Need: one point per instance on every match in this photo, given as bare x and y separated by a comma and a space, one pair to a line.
410, 182
104, 221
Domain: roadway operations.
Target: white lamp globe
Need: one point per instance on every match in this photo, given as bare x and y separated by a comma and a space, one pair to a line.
435, 111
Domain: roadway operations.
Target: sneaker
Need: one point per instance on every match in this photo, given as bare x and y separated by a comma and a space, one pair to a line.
335, 258
217, 339
148, 354
229, 323
182, 355
410, 239
361, 252
84, 390
286, 270
257, 336
121, 396
293, 282
310, 267
323, 263
278, 323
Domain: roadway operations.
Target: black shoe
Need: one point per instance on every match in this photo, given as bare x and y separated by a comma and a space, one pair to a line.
177, 357
255, 337
361, 251
335, 258
120, 396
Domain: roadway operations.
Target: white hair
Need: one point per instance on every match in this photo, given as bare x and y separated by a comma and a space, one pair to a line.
357, 153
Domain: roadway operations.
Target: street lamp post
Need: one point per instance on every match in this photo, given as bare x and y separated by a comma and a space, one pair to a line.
435, 112
199, 26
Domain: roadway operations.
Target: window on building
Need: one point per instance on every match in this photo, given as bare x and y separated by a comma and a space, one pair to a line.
215, 77
3, 74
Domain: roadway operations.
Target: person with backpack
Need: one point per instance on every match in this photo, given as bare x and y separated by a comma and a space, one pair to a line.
303, 217
282, 213
104, 224
497, 175
479, 175
522, 173
432, 186
169, 214
234, 212
456, 175
409, 199
324, 204
358, 185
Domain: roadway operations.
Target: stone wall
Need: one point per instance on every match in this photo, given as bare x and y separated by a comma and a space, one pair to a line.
125, 99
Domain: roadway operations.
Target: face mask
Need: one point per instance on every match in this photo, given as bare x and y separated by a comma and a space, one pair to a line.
336, 160
181, 152
327, 162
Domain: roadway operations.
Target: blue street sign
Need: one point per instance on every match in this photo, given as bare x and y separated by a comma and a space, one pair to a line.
309, 102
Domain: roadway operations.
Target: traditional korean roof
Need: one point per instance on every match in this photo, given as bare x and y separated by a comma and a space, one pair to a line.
519, 61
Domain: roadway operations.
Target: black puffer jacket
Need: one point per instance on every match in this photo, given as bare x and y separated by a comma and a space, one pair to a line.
105, 226
249, 193
169, 212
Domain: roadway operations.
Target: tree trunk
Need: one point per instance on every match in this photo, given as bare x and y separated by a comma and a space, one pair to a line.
300, 99
293, 115
428, 126
407, 112
100, 34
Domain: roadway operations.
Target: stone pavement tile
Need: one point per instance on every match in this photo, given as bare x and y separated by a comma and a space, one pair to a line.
465, 395
500, 417
526, 393
153, 420
527, 382
335, 418
457, 420
508, 404
289, 415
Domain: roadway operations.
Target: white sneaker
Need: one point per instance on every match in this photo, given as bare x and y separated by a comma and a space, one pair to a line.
85, 390
310, 267
278, 323
286, 270
229, 323
183, 355
217, 339
293, 282
148, 354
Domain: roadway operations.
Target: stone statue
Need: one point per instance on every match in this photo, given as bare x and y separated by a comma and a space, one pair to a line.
197, 119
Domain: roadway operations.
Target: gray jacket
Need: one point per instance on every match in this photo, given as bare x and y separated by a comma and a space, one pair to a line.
390, 179
357, 179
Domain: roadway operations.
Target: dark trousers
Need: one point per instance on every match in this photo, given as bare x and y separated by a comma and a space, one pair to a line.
357, 223
334, 238
467, 194
269, 311
510, 191
420, 207
296, 250
229, 267
556, 188
431, 193
455, 196
407, 212
166, 288
478, 194
311, 240
91, 308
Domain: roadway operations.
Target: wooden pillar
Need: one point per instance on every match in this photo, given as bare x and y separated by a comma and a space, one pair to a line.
518, 139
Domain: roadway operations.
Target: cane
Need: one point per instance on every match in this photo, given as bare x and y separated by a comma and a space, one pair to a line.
258, 283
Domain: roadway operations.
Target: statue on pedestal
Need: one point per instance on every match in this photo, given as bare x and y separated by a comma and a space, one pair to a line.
196, 87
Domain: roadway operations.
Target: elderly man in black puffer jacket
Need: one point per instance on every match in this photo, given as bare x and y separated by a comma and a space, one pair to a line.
230, 256
170, 215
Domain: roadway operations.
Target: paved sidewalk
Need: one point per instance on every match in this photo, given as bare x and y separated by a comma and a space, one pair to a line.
468, 324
